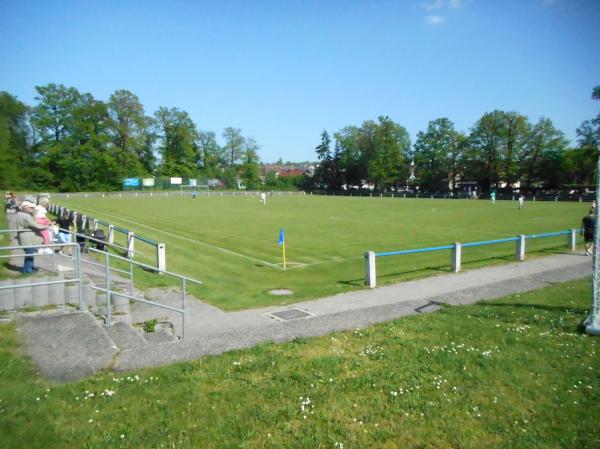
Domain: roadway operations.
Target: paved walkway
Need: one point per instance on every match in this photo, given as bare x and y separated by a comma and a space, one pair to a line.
213, 331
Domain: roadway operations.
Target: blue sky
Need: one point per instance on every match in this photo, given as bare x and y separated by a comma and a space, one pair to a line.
283, 71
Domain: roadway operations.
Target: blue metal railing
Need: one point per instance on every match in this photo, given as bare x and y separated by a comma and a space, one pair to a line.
472, 244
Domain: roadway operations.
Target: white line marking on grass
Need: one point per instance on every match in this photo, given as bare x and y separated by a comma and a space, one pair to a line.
218, 248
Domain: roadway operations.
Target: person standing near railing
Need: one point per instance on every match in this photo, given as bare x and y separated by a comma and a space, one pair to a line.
64, 227
29, 233
588, 226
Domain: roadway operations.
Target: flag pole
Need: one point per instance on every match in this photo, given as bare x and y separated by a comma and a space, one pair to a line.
283, 248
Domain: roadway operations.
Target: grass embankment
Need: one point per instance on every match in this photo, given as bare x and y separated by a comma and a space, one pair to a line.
230, 243
513, 373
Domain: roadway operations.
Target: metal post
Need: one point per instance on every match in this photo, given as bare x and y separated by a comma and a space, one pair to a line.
111, 234
131, 277
82, 304
161, 257
572, 240
456, 257
592, 322
521, 248
183, 316
370, 270
107, 286
130, 244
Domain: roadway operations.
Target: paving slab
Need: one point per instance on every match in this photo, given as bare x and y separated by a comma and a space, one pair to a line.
67, 347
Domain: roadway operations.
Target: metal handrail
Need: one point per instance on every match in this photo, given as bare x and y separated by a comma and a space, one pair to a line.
131, 262
149, 267
104, 242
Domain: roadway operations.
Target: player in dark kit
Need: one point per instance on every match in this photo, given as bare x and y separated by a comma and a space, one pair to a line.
589, 226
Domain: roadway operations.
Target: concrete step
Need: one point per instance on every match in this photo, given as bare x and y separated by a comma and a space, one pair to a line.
67, 347
124, 336
160, 336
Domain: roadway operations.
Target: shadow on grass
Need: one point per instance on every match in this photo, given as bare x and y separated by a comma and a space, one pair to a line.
419, 272
571, 310
10, 267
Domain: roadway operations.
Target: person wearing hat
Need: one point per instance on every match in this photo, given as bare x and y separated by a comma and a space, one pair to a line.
29, 233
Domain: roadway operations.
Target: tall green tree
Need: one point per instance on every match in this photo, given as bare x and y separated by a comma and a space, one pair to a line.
496, 146
387, 164
588, 139
437, 155
15, 155
234, 145
544, 155
178, 135
250, 172
128, 131
209, 156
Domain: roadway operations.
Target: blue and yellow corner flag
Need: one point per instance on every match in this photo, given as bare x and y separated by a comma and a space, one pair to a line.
281, 242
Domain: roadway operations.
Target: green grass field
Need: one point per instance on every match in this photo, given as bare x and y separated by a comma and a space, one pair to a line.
514, 373
230, 243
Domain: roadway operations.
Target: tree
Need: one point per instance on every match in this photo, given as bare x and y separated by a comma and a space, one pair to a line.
209, 156
543, 158
387, 162
128, 130
250, 168
588, 139
234, 145
496, 145
52, 116
15, 154
178, 135
436, 155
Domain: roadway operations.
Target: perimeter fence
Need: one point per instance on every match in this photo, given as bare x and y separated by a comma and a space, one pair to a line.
456, 250
587, 197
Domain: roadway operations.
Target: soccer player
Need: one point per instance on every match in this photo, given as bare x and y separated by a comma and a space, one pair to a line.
263, 198
521, 200
589, 226
493, 197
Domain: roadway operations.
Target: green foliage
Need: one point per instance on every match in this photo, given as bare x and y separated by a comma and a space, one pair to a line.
510, 373
150, 325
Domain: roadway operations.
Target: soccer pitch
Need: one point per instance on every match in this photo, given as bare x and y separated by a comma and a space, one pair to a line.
230, 242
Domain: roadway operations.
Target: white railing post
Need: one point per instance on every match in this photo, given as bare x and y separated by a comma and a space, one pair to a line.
161, 257
130, 244
370, 270
456, 257
572, 240
95, 224
521, 248
111, 234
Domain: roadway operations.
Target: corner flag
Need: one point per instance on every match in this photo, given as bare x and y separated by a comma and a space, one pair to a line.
281, 242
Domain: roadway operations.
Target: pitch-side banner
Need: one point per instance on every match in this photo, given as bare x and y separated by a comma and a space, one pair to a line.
148, 182
131, 182
175, 181
193, 182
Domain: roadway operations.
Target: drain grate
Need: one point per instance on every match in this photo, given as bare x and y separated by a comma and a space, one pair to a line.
290, 314
429, 307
